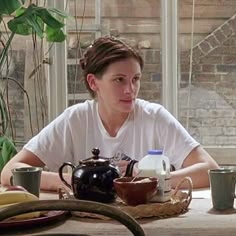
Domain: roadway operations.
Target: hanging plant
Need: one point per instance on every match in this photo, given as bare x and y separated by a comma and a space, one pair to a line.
45, 22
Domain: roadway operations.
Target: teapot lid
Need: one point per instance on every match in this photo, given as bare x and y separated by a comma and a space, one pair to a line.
95, 159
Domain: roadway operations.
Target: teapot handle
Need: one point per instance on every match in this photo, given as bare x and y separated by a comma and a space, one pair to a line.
129, 168
60, 171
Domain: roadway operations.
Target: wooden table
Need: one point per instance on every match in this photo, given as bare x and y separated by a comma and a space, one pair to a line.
199, 220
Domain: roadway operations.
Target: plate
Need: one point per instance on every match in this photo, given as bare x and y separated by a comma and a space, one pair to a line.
48, 217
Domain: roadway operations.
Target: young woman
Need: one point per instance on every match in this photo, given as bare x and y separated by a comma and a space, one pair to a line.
115, 121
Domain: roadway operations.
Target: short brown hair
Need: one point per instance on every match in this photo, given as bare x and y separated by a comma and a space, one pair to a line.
104, 51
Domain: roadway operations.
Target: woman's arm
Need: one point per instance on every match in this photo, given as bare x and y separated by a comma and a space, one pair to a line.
49, 180
196, 166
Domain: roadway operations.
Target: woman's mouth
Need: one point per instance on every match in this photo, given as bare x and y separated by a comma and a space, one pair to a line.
127, 101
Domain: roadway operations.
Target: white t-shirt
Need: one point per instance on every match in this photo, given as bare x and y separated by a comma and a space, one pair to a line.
79, 129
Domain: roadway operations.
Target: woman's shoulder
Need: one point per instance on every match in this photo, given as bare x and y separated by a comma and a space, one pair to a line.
87, 105
148, 107
82, 106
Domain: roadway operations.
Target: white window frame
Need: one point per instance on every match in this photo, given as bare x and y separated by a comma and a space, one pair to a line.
57, 74
169, 45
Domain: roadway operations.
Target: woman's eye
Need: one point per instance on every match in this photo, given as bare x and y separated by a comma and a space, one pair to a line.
120, 79
135, 79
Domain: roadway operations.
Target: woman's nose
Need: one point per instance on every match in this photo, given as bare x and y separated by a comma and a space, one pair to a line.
129, 88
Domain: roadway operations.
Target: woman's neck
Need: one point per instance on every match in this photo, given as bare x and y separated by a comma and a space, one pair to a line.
111, 121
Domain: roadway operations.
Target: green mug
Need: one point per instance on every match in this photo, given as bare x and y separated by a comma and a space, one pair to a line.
222, 184
27, 177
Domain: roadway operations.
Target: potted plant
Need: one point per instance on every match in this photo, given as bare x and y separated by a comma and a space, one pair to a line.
30, 19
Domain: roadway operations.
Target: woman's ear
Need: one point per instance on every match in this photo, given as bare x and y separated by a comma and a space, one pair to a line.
91, 79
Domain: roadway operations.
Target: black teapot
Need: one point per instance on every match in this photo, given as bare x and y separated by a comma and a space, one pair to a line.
93, 178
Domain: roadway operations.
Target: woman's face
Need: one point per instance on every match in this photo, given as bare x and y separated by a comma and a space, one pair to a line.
118, 87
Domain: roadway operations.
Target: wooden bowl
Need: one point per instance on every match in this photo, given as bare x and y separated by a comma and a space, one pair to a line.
140, 191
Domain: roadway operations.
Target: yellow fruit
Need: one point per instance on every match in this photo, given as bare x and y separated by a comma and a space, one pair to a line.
15, 196
8, 198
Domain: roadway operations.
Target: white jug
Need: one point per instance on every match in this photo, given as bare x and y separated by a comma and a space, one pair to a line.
155, 164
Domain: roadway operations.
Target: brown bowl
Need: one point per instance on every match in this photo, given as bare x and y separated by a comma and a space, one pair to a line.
140, 191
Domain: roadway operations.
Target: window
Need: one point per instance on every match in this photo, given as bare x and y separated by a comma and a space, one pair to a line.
207, 61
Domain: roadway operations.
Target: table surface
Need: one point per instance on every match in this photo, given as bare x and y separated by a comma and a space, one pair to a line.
200, 219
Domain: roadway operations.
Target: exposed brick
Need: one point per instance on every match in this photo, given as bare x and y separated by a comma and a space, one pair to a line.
184, 67
146, 76
156, 77
194, 122
232, 23
224, 50
190, 112
184, 77
226, 122
184, 56
208, 122
207, 77
212, 60
219, 36
229, 59
152, 56
229, 131
208, 85
195, 67
226, 29
205, 47
231, 50
222, 113
208, 140
214, 131
149, 86
197, 54
224, 85
183, 84
226, 68
230, 41
212, 41
152, 67
225, 140
208, 68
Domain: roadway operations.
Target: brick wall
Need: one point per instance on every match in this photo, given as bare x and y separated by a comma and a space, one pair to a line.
212, 110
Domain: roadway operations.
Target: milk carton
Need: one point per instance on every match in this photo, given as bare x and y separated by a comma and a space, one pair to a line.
155, 164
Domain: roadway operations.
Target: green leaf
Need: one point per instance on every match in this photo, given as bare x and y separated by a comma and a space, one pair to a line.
7, 150
36, 26
54, 35
4, 52
1, 163
19, 23
20, 11
19, 28
9, 6
49, 19
3, 115
34, 18
58, 12
26, 23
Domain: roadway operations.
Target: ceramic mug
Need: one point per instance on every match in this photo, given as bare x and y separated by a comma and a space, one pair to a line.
27, 177
222, 184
